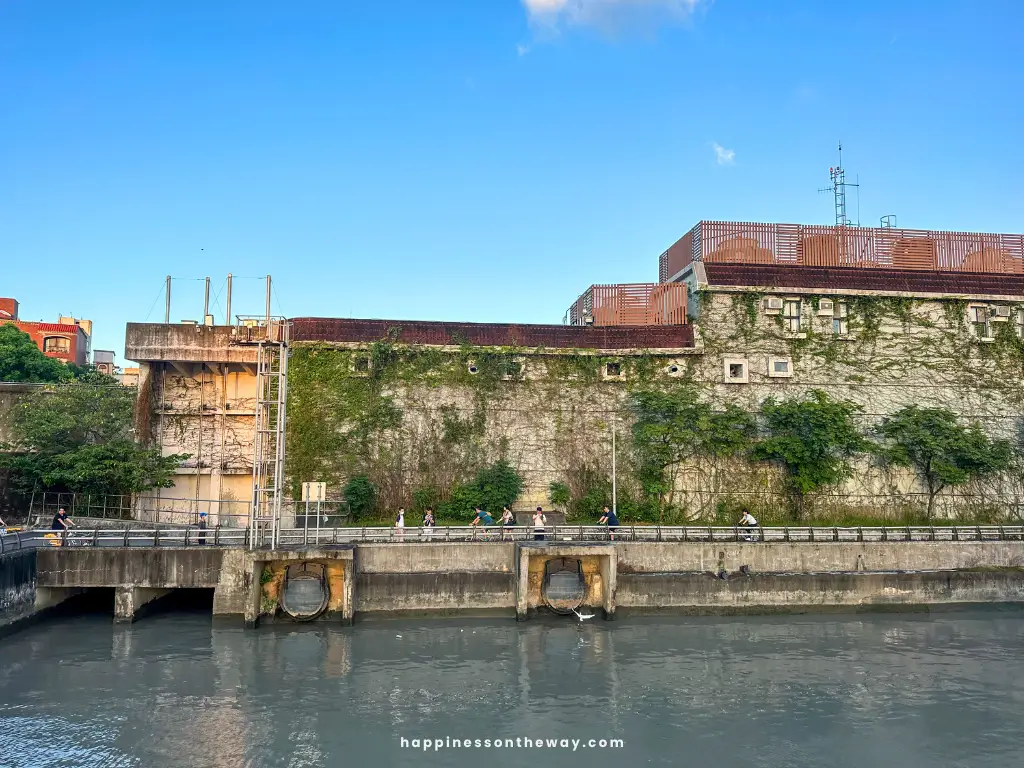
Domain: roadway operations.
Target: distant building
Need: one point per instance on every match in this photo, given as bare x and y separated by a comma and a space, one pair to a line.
69, 339
103, 359
129, 377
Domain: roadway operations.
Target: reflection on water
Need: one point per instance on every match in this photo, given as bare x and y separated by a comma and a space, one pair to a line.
176, 690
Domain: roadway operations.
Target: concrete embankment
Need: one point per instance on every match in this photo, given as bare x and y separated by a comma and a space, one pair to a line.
17, 588
517, 579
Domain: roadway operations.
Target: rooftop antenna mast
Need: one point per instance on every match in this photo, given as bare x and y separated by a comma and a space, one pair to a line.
838, 190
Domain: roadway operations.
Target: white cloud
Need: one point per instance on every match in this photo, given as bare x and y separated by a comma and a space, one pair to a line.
603, 12
522, 49
723, 156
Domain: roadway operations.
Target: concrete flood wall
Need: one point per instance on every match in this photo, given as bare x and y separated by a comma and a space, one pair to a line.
17, 588
509, 579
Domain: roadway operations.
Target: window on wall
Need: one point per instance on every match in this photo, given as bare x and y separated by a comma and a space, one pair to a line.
978, 316
791, 315
840, 321
1020, 323
56, 344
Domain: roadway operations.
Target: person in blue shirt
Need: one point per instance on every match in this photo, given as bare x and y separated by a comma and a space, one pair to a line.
482, 518
609, 518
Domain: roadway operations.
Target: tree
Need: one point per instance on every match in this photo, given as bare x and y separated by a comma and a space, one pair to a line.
361, 497
671, 427
78, 437
495, 486
943, 452
559, 493
813, 438
22, 360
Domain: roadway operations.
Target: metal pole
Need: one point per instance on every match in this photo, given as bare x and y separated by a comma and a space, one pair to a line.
229, 299
318, 500
206, 301
268, 301
614, 479
167, 305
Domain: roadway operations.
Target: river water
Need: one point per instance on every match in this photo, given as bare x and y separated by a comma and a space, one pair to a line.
175, 689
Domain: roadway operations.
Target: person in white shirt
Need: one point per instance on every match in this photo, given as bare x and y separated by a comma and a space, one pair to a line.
747, 521
539, 522
400, 523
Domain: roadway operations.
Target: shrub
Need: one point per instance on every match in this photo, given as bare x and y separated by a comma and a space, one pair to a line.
361, 497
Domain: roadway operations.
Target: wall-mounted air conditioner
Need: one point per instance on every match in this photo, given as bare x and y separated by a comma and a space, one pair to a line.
773, 304
999, 313
826, 307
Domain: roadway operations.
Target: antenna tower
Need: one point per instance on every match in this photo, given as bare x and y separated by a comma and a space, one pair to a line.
838, 190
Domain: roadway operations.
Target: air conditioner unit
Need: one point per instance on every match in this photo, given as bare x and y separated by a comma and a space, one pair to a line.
999, 313
826, 307
773, 304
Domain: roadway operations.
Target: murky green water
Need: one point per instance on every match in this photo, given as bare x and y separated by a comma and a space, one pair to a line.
861, 691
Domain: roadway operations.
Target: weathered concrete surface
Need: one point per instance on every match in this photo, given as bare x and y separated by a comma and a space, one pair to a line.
129, 600
17, 588
148, 342
433, 558
797, 592
435, 577
826, 557
264, 595
437, 593
502, 577
140, 567
599, 572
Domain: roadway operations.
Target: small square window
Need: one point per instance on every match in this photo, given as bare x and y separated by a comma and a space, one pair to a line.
613, 369
1020, 323
735, 370
780, 367
362, 364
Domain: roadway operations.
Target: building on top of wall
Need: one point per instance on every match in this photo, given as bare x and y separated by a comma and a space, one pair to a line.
744, 313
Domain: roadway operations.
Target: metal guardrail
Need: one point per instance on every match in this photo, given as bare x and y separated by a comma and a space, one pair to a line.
127, 537
192, 536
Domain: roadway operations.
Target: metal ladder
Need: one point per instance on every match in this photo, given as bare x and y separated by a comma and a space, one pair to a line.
269, 437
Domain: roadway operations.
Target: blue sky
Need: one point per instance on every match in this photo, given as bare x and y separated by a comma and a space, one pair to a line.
480, 160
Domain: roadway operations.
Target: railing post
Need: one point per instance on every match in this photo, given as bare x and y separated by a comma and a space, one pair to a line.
835, 533
216, 535
860, 533
786, 532
810, 532
95, 536
1002, 534
885, 533
156, 537
933, 532
126, 536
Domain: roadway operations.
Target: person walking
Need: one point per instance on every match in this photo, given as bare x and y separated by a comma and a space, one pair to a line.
428, 523
508, 520
400, 524
610, 519
539, 524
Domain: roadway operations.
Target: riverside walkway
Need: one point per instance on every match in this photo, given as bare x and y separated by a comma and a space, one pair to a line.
298, 538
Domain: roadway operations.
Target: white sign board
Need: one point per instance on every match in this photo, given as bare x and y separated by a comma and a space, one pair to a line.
314, 491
